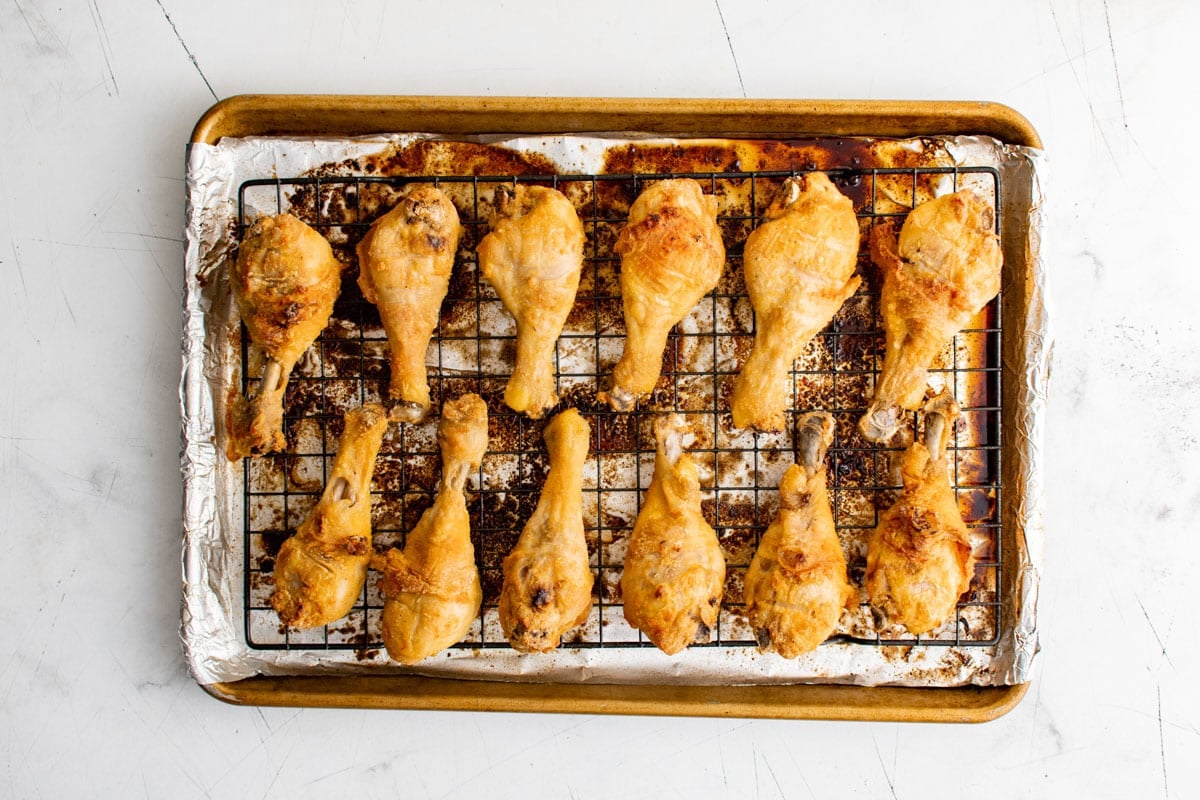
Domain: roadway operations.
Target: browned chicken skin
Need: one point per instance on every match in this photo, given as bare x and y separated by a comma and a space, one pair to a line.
943, 271
919, 559
533, 256
671, 256
674, 574
285, 281
404, 264
320, 571
547, 582
799, 267
796, 586
431, 588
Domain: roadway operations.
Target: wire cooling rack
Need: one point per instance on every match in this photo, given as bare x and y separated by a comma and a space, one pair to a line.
472, 351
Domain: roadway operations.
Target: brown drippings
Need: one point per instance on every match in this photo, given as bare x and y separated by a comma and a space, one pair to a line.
738, 543
735, 588
750, 155
977, 505
426, 157
272, 541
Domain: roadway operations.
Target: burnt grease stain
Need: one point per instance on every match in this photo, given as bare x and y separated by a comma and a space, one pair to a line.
748, 155
271, 542
425, 157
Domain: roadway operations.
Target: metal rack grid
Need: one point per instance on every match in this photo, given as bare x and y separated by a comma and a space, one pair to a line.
471, 351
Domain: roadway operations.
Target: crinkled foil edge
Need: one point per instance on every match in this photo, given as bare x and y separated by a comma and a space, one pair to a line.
211, 621
1016, 653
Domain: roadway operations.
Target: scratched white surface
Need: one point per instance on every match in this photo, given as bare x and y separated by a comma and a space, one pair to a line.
96, 102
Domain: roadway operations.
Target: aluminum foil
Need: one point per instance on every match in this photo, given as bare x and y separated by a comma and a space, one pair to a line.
214, 629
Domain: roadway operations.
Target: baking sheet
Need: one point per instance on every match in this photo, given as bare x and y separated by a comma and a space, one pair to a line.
213, 631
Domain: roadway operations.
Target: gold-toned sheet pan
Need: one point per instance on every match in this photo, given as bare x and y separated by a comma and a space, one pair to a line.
342, 116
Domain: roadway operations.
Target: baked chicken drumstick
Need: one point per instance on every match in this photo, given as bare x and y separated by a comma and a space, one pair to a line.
533, 256
404, 269
799, 268
674, 574
320, 571
919, 559
285, 281
431, 588
942, 272
547, 583
671, 256
796, 586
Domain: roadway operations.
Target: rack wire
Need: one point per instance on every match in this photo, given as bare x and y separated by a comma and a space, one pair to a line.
472, 352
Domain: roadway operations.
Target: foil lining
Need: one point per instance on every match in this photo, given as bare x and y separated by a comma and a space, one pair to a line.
214, 631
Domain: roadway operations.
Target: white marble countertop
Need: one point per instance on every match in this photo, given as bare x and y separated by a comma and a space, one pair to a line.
96, 102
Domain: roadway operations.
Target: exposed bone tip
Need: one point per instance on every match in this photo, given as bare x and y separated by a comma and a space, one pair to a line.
814, 434
369, 413
792, 188
879, 616
943, 403
339, 488
272, 378
406, 411
880, 424
940, 413
505, 195
618, 399
465, 408
672, 435
762, 637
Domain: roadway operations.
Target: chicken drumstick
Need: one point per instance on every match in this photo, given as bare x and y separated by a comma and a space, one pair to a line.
320, 571
671, 256
404, 269
285, 281
796, 586
547, 583
944, 270
431, 588
674, 574
799, 267
919, 559
533, 256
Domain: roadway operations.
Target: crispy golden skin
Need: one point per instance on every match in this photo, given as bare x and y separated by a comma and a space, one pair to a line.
796, 586
285, 281
547, 582
919, 559
320, 571
674, 574
944, 270
404, 264
431, 589
533, 256
799, 268
671, 256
